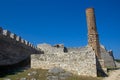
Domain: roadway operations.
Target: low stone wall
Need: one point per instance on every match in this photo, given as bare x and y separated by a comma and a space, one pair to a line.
82, 63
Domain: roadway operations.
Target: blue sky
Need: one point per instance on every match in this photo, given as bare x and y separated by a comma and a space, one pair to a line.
62, 21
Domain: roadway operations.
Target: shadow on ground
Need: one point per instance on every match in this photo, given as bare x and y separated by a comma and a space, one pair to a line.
13, 69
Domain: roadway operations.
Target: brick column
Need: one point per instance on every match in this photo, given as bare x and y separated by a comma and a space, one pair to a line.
93, 39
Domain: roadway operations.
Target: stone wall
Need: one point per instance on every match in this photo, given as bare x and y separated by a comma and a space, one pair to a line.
82, 62
13, 48
108, 58
48, 49
8, 34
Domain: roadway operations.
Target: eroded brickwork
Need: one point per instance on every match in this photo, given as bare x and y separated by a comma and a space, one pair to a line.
93, 39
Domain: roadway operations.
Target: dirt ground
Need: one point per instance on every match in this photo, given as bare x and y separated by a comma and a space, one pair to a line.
113, 75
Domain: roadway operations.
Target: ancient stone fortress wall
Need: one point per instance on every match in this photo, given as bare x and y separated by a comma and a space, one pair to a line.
13, 48
108, 57
80, 61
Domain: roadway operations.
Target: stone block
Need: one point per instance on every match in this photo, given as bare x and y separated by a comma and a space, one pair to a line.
23, 41
30, 44
26, 42
13, 36
18, 38
6, 33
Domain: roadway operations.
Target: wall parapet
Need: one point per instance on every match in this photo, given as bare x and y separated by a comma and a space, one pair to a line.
8, 34
14, 49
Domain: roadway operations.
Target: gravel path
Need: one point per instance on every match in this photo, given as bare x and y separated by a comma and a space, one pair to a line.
113, 75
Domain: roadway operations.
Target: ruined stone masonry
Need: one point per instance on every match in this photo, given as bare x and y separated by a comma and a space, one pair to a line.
102, 54
87, 61
80, 61
14, 49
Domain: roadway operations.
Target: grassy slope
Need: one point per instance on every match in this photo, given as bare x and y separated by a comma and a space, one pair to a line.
41, 75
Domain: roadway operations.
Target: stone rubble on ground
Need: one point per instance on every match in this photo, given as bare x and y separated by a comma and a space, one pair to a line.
7, 79
32, 73
56, 73
23, 79
33, 79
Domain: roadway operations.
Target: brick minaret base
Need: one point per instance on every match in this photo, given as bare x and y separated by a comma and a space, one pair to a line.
93, 39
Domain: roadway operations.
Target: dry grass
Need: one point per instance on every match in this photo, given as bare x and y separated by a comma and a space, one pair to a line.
83, 78
41, 75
